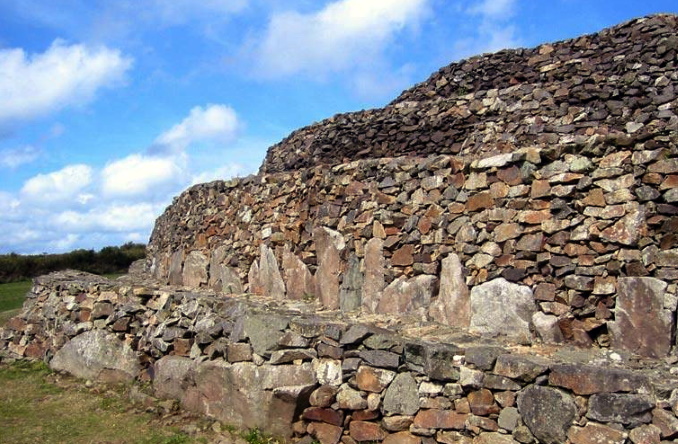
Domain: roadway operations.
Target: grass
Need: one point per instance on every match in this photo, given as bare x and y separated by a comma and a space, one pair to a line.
12, 295
37, 405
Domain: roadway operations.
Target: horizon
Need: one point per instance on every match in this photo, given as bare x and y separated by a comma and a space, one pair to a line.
114, 108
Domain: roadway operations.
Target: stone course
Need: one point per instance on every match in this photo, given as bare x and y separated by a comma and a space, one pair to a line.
255, 361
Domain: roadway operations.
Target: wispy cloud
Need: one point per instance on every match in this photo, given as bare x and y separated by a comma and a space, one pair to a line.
33, 85
13, 158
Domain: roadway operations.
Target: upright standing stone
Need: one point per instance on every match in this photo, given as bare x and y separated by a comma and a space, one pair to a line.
642, 325
501, 308
402, 396
265, 275
453, 305
222, 277
350, 294
298, 279
176, 268
407, 295
195, 270
328, 246
374, 274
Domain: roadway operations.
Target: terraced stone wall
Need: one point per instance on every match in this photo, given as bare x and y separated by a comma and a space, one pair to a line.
291, 372
426, 237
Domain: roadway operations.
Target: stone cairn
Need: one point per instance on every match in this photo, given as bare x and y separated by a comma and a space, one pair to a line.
499, 265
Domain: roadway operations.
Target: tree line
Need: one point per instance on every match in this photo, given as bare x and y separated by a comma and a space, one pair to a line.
15, 267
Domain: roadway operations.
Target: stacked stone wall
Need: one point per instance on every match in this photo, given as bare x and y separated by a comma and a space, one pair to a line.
620, 83
304, 376
420, 236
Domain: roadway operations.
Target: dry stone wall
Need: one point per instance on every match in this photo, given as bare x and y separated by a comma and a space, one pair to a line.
532, 241
287, 370
619, 83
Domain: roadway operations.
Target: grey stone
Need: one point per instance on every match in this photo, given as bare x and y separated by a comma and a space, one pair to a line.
248, 396
348, 398
350, 292
264, 332
291, 355
548, 328
402, 396
380, 358
590, 379
547, 412
269, 280
354, 334
508, 418
328, 245
195, 270
501, 308
407, 295
374, 284
176, 268
452, 306
629, 409
97, 354
524, 368
483, 357
641, 324
170, 373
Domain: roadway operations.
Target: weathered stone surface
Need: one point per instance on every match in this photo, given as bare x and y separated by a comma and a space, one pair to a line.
195, 269
348, 398
328, 244
326, 415
645, 434
407, 295
325, 433
374, 274
366, 431
402, 396
596, 433
264, 332
547, 412
482, 402
175, 274
373, 379
328, 371
642, 325
298, 279
525, 368
548, 328
501, 308
269, 281
440, 419
452, 306
350, 292
622, 408
323, 396
397, 423
401, 438
170, 372
627, 231
250, 396
493, 438
483, 357
381, 358
589, 379
666, 422
92, 353
508, 418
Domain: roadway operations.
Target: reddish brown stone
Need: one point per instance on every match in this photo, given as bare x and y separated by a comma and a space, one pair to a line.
182, 347
540, 188
325, 415
403, 256
510, 175
545, 292
588, 379
323, 396
365, 415
505, 232
35, 350
534, 217
16, 324
595, 434
482, 402
480, 201
667, 423
440, 419
366, 431
402, 438
325, 433
424, 225
121, 324
669, 182
595, 198
373, 379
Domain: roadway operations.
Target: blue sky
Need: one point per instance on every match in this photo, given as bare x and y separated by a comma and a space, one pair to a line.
109, 108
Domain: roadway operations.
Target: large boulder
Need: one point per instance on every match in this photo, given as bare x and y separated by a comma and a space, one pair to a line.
547, 412
97, 354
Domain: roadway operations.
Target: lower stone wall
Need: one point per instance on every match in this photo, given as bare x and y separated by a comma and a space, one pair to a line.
290, 371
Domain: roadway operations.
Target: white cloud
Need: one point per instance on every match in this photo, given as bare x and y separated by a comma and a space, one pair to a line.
62, 76
59, 186
111, 218
222, 173
214, 123
13, 158
493, 8
345, 34
138, 174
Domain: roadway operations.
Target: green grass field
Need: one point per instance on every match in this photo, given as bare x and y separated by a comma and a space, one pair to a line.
12, 297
